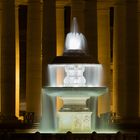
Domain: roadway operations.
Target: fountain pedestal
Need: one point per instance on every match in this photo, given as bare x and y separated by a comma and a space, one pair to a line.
72, 120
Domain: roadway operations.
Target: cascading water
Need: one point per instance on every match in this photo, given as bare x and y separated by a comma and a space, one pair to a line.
69, 100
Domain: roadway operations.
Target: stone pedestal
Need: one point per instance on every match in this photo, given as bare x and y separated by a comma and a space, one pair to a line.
76, 121
51, 118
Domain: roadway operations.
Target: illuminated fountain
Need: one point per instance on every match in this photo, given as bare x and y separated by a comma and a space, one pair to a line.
69, 101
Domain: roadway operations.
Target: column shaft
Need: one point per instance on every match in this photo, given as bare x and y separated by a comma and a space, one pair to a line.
119, 84
132, 61
8, 58
126, 65
90, 19
33, 68
17, 62
104, 55
139, 49
0, 50
60, 29
49, 36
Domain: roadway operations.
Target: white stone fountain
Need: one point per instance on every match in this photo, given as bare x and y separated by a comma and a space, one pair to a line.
69, 101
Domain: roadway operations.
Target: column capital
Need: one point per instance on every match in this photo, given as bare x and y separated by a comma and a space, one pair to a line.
21, 2
124, 2
26, 2
60, 4
103, 11
105, 4
76, 3
35, 1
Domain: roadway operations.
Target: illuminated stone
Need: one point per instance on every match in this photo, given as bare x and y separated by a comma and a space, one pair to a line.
74, 121
74, 75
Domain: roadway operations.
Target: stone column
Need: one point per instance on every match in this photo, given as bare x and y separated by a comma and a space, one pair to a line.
33, 60
90, 19
139, 49
103, 25
17, 63
48, 37
77, 10
60, 28
0, 50
125, 61
8, 57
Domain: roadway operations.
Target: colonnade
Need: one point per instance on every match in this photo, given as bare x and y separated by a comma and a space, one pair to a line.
45, 40
10, 55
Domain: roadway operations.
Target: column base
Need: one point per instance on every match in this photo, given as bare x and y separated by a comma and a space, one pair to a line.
8, 119
10, 123
126, 123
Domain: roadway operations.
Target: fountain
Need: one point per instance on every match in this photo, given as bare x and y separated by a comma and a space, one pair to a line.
69, 101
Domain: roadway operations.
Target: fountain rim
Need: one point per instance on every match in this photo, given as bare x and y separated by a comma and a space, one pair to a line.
74, 60
80, 91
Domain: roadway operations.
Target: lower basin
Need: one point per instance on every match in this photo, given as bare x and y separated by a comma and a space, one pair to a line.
75, 91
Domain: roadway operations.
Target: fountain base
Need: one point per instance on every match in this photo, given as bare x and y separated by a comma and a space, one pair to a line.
77, 115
